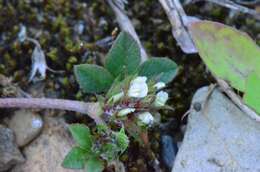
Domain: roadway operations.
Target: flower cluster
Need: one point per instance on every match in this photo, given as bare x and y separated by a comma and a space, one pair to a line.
141, 98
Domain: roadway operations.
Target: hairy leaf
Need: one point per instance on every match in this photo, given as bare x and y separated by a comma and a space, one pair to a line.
93, 78
160, 69
124, 56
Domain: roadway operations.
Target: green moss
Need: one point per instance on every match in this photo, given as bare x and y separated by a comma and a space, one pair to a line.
2, 68
72, 60
53, 54
69, 66
65, 82
79, 95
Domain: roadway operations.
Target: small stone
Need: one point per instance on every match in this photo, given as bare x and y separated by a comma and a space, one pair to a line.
169, 150
197, 106
9, 153
26, 126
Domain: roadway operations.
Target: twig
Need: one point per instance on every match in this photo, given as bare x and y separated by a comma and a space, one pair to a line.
178, 20
234, 6
248, 3
237, 100
126, 25
91, 109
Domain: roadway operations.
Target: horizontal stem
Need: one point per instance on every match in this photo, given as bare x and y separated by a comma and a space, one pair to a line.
91, 109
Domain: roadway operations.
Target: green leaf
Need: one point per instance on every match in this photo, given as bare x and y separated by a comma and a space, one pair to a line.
124, 56
93, 78
160, 69
81, 135
122, 140
115, 88
228, 53
94, 165
252, 93
75, 159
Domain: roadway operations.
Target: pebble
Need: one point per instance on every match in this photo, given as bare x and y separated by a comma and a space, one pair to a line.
26, 126
168, 151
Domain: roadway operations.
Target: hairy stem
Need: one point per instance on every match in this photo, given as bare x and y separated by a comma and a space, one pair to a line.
91, 109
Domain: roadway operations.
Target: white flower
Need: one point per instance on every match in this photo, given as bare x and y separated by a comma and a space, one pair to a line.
161, 99
115, 98
126, 111
138, 87
146, 118
159, 85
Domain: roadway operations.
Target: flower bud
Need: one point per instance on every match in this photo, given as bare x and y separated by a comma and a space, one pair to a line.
126, 111
138, 87
161, 99
115, 98
146, 118
159, 85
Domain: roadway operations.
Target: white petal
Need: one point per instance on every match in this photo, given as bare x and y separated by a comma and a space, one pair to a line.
161, 99
138, 88
146, 118
159, 85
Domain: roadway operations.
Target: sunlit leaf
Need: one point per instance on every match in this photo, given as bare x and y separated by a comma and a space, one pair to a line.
252, 93
228, 53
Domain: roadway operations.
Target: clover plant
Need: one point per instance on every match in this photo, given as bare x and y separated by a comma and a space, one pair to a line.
129, 94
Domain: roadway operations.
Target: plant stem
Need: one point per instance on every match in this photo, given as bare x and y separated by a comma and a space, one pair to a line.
91, 109
237, 100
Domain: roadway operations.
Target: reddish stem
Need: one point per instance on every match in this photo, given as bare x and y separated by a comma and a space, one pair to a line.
91, 109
